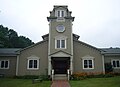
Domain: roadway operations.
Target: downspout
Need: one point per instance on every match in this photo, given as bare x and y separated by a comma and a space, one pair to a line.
103, 60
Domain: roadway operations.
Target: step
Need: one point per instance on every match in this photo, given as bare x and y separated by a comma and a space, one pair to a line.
60, 77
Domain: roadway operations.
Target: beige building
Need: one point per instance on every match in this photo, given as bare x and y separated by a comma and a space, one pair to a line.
60, 52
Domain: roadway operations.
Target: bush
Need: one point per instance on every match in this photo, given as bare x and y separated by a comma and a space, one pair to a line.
83, 75
79, 76
44, 77
108, 68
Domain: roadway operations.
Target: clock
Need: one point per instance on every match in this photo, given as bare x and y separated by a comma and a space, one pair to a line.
60, 28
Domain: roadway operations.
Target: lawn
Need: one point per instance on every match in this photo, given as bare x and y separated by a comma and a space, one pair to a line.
5, 82
97, 82
91, 82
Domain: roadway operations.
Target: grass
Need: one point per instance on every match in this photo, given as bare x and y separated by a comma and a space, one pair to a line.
97, 82
91, 82
7, 82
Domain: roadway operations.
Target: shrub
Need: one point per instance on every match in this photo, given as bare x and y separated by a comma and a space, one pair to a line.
83, 75
44, 77
108, 68
79, 76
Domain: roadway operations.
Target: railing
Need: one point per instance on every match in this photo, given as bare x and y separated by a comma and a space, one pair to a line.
52, 74
68, 74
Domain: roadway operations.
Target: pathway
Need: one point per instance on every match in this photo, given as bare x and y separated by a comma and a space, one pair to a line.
60, 83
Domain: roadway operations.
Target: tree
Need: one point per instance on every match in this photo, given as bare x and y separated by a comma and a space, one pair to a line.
13, 38
24, 42
3, 36
10, 39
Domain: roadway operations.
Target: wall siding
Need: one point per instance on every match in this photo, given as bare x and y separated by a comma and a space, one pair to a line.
80, 51
41, 51
12, 66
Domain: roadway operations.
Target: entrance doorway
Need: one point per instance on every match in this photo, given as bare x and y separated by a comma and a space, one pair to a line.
60, 64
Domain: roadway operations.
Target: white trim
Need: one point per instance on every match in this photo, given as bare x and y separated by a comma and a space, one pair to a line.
33, 58
49, 65
71, 40
71, 64
49, 42
17, 65
56, 13
4, 65
60, 37
60, 44
88, 57
49, 48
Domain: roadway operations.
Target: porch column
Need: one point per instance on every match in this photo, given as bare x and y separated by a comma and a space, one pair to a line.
71, 64
49, 65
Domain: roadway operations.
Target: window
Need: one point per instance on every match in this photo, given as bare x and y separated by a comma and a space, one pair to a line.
116, 63
4, 64
60, 28
88, 62
33, 63
60, 13
61, 44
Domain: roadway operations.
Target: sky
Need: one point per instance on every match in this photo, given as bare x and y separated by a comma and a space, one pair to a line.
97, 22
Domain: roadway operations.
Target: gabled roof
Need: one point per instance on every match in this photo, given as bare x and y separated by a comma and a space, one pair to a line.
8, 51
60, 52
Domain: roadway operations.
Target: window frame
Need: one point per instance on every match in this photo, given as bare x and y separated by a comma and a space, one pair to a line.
60, 40
60, 13
115, 60
4, 64
58, 28
33, 65
87, 58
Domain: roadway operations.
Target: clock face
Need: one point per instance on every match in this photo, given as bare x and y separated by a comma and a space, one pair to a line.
60, 28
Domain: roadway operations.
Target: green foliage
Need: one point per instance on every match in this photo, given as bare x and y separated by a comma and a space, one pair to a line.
108, 67
83, 75
43, 77
10, 39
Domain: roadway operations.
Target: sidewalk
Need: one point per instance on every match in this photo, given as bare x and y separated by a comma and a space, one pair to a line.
60, 83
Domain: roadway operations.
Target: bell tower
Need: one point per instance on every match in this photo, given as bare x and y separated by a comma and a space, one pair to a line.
60, 34
60, 30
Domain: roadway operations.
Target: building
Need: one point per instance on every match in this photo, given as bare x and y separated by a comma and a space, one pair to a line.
59, 51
